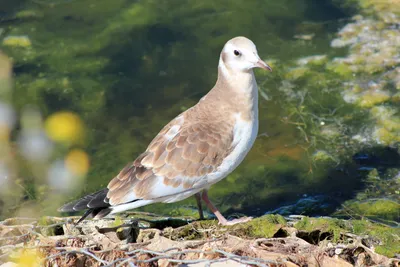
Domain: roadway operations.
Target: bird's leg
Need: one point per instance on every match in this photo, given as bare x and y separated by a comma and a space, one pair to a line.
221, 219
199, 205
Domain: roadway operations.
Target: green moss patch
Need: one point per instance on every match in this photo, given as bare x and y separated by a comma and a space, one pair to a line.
385, 239
265, 226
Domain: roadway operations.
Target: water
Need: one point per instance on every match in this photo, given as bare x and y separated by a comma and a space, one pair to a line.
128, 67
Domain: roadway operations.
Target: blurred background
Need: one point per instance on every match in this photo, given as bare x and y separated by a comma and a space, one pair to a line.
85, 85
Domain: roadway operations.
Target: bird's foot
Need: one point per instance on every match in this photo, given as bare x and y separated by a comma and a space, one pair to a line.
221, 219
236, 221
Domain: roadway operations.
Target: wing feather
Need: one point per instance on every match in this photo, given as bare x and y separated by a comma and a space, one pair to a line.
182, 154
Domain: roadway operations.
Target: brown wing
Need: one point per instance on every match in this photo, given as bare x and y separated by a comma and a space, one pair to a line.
179, 156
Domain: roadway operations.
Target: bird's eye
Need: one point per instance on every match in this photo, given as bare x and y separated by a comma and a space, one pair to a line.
237, 53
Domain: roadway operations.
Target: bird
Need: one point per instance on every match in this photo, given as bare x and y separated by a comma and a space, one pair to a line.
195, 150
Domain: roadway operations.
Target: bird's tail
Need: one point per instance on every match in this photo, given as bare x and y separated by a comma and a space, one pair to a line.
96, 205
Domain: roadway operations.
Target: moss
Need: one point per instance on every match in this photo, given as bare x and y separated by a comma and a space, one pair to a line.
43, 224
193, 231
265, 226
184, 211
117, 221
334, 226
388, 237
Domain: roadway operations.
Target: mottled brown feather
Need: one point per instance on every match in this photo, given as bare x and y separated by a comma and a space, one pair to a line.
181, 141
161, 160
202, 147
148, 160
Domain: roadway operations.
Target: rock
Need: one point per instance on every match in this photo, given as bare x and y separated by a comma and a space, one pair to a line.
203, 243
338, 251
306, 204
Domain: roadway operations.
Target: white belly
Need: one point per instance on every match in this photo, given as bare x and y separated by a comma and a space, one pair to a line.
245, 133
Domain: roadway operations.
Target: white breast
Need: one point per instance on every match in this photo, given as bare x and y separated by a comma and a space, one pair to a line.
245, 133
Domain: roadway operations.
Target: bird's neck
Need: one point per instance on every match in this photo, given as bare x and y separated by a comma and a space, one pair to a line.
237, 89
243, 82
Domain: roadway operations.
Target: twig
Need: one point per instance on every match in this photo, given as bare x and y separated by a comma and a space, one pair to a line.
170, 256
82, 251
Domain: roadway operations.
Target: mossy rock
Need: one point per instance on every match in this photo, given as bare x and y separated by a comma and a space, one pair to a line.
262, 227
386, 238
334, 227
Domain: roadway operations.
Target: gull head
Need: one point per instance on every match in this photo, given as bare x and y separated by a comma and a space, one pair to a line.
240, 54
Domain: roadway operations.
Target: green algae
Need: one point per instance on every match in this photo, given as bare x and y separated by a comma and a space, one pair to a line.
381, 208
334, 226
28, 14
379, 6
48, 226
184, 212
17, 41
388, 237
314, 61
192, 231
385, 238
323, 156
296, 73
263, 227
372, 98
342, 69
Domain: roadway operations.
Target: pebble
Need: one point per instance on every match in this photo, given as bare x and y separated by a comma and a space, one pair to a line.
338, 251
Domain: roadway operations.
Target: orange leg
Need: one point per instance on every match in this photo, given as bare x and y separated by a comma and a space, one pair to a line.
221, 219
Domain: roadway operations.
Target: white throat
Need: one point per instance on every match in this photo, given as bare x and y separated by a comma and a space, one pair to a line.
241, 81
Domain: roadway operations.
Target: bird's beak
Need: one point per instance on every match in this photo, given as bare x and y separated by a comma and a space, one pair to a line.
263, 65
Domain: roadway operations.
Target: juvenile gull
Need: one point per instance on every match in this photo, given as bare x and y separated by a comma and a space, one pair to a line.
195, 150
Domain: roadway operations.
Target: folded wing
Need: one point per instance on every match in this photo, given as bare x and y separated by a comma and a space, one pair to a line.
177, 160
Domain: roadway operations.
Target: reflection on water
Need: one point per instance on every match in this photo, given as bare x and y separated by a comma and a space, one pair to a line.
128, 67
